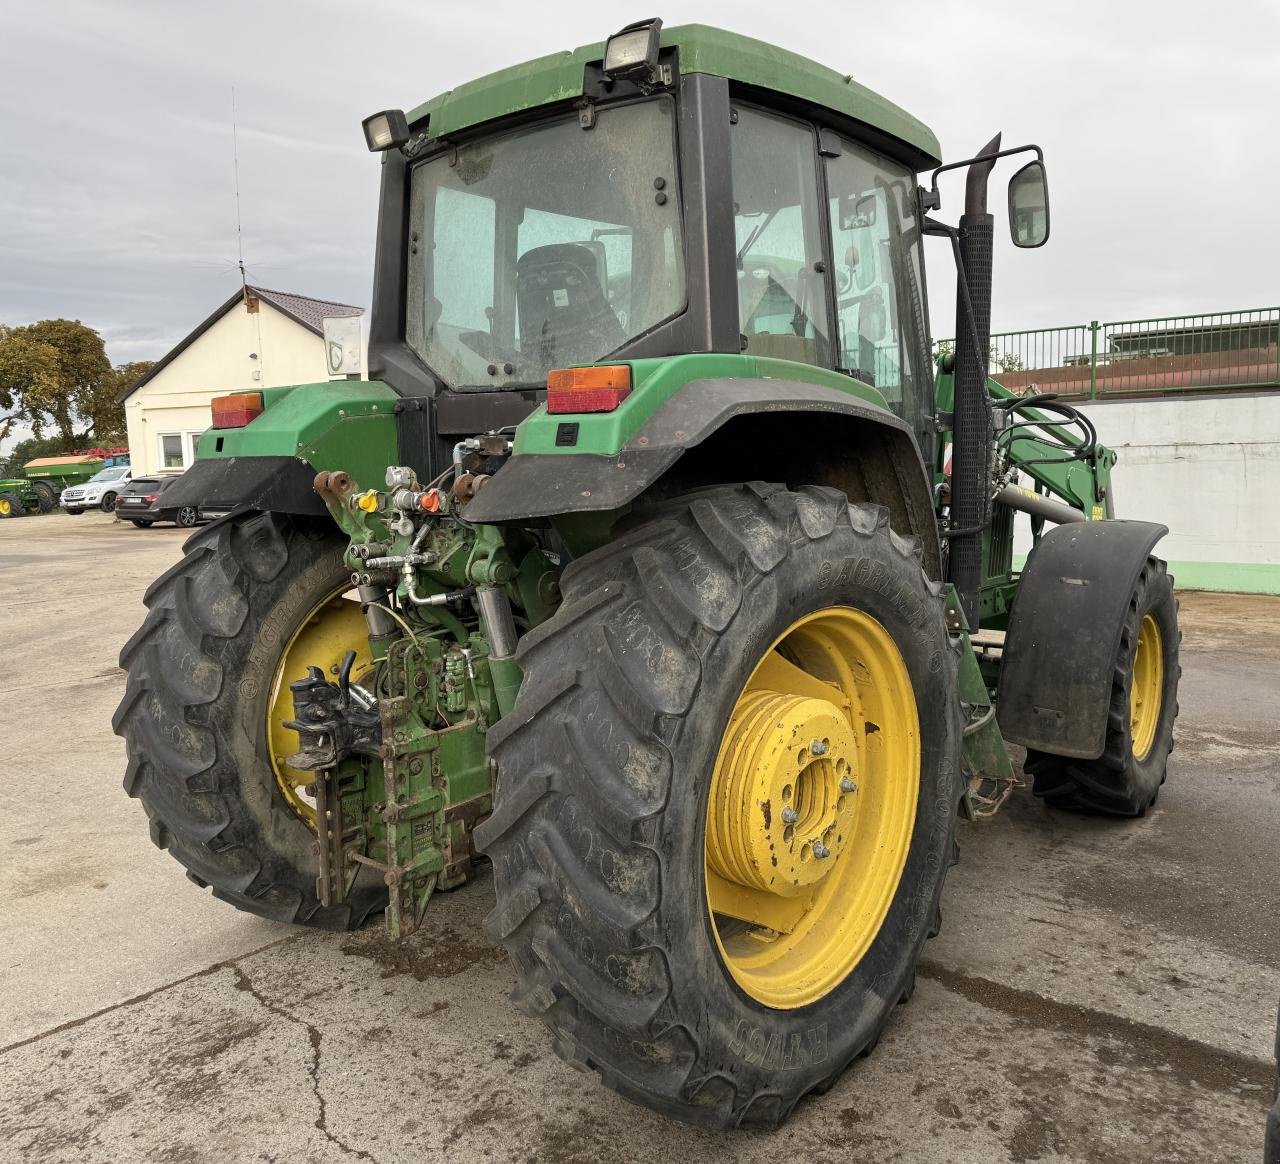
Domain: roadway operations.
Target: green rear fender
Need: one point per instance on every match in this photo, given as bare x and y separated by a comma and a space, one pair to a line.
271, 462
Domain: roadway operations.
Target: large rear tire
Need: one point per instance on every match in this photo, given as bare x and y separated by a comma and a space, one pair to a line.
1125, 780
47, 495
203, 673
617, 817
11, 505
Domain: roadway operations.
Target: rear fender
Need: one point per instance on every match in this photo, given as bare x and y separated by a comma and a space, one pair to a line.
1064, 633
716, 431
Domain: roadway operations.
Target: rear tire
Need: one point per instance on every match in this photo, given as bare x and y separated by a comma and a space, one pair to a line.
108, 503
1122, 781
11, 505
188, 517
604, 770
47, 495
194, 715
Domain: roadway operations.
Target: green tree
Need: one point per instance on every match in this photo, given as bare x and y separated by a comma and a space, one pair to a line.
55, 376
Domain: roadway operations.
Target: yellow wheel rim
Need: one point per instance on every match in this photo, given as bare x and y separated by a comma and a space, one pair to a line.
1147, 689
331, 629
811, 808
4, 507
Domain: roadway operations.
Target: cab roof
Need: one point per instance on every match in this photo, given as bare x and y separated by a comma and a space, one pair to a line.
703, 49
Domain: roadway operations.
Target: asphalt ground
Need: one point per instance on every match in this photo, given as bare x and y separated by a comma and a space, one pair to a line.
1101, 991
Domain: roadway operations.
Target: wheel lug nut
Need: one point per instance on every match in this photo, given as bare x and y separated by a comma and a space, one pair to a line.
818, 748
820, 850
790, 816
847, 785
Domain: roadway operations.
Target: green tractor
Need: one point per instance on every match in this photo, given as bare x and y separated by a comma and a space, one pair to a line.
658, 563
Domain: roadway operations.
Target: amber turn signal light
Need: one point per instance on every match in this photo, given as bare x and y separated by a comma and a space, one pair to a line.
597, 389
236, 410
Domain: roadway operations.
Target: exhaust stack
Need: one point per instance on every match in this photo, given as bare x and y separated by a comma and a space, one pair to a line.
971, 449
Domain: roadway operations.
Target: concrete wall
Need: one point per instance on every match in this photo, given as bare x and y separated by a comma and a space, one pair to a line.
1208, 467
176, 401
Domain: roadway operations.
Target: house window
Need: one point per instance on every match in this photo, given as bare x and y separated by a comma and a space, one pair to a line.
171, 450
177, 449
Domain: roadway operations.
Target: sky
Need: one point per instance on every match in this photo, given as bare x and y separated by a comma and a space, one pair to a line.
117, 186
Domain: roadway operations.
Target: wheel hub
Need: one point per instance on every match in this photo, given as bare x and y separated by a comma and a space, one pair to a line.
811, 807
1146, 687
780, 811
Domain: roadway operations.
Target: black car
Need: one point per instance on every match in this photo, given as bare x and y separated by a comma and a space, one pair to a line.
142, 503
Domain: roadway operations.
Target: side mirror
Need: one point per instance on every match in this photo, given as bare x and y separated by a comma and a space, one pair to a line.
857, 211
342, 345
1029, 206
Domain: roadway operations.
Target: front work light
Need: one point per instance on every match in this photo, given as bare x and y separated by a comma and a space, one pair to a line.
633, 51
385, 130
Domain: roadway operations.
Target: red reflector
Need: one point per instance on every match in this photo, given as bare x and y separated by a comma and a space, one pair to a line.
236, 410
599, 389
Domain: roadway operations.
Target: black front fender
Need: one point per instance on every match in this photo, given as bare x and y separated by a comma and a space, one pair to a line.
1064, 635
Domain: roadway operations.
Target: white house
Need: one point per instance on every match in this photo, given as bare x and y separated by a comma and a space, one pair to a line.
257, 339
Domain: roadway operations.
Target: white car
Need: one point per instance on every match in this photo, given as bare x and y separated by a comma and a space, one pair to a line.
101, 490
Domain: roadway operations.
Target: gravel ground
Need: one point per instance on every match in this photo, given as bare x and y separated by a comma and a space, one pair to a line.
1101, 991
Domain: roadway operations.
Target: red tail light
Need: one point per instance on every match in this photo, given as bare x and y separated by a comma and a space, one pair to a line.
599, 389
236, 410
150, 497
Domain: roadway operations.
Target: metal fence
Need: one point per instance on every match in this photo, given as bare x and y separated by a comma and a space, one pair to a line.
1216, 351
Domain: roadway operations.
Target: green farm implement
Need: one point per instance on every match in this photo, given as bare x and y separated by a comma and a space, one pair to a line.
658, 565
44, 479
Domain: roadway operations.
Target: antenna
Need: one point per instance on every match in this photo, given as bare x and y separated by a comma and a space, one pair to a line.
235, 157
250, 303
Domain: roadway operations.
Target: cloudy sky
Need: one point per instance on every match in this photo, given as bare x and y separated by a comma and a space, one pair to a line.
116, 185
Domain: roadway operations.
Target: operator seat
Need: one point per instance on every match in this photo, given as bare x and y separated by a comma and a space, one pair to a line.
564, 315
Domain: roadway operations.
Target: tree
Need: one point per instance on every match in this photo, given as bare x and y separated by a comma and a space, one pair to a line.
55, 375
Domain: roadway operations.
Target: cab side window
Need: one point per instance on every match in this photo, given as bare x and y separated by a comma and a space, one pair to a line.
878, 278
782, 308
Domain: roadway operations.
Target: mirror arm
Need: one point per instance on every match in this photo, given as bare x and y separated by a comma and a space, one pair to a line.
935, 198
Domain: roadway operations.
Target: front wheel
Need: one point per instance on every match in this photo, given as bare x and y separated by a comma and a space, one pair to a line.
73, 512
141, 523
726, 800
1125, 780
253, 602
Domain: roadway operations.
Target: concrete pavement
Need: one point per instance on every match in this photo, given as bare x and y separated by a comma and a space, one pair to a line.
1101, 991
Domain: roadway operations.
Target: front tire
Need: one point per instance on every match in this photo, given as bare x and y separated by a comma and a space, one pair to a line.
1125, 780
73, 512
614, 751
141, 523
201, 684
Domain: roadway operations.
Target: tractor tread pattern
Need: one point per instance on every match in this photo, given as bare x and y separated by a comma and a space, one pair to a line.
547, 886
175, 720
